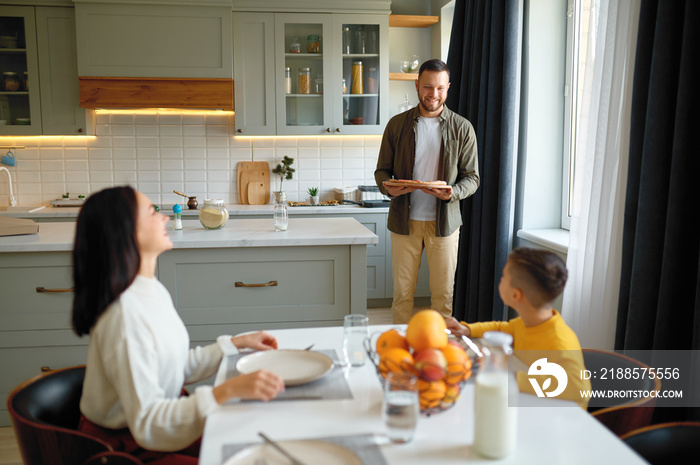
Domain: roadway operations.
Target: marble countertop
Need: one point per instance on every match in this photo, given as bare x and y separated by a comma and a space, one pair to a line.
238, 232
233, 210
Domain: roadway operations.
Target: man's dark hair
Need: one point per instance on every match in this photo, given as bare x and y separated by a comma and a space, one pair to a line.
434, 65
106, 257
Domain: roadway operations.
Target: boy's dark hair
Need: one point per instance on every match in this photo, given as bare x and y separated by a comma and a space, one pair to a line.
540, 274
434, 65
106, 257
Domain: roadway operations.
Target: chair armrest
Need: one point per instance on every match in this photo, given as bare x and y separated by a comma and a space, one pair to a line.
112, 458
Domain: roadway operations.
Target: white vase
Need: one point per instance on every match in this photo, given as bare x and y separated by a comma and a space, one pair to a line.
314, 200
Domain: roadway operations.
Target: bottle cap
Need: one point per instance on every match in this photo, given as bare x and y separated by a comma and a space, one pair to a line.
177, 208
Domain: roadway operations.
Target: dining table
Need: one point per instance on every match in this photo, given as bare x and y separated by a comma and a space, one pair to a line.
348, 413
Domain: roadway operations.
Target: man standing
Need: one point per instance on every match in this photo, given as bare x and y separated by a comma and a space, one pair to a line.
427, 143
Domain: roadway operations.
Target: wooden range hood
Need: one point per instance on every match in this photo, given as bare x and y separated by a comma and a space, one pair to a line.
130, 92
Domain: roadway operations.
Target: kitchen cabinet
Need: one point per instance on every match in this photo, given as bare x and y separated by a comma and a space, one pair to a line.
295, 105
44, 48
35, 327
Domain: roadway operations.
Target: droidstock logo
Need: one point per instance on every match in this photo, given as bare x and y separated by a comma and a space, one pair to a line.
542, 367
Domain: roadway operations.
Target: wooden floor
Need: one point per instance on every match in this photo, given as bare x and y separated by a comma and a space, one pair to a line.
9, 452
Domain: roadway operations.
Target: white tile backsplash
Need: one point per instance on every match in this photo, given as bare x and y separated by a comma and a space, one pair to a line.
193, 153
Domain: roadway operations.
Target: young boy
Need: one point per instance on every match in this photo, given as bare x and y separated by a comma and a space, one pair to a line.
531, 280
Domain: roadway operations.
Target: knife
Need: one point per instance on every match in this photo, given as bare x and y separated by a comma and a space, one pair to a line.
280, 449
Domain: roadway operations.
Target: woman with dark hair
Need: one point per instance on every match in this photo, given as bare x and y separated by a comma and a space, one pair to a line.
138, 355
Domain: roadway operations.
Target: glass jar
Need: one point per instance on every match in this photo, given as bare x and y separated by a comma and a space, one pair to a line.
357, 78
360, 41
304, 81
280, 216
25, 81
345, 87
319, 84
346, 40
313, 44
287, 80
213, 214
295, 46
10, 81
372, 87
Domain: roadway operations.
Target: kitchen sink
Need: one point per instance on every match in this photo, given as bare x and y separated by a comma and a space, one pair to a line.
23, 208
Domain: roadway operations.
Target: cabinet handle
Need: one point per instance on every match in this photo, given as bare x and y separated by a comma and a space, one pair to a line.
42, 290
271, 283
80, 130
45, 369
328, 129
337, 129
239, 130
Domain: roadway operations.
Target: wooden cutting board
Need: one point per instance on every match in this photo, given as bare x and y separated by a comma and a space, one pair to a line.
256, 193
253, 171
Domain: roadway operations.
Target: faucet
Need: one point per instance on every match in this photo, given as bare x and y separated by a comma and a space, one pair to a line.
13, 202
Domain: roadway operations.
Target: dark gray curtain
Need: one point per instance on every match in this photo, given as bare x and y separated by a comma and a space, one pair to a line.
485, 79
659, 305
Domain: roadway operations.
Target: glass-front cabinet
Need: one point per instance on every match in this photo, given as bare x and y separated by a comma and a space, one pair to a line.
331, 74
19, 90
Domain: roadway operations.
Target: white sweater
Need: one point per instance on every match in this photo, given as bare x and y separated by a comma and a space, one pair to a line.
138, 361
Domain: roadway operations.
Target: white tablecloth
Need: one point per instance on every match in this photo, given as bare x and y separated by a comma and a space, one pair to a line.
559, 433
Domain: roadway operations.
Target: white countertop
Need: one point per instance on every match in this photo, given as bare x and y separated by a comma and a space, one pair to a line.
233, 210
238, 232
549, 431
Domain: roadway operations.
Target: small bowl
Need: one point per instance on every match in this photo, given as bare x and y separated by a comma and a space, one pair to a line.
23, 121
410, 64
358, 120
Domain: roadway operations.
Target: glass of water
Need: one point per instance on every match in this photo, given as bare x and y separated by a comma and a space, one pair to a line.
401, 407
355, 331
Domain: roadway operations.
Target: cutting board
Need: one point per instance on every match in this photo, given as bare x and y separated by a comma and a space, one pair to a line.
253, 171
256, 193
17, 226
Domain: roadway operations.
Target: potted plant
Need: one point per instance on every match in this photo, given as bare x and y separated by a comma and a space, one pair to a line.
284, 170
313, 192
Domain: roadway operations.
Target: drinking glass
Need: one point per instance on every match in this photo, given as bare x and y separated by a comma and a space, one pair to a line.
355, 331
401, 407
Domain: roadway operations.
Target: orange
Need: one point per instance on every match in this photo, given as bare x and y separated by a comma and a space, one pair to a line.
426, 330
451, 394
389, 340
458, 363
431, 393
395, 359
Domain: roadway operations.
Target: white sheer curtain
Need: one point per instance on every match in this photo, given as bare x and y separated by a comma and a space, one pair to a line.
602, 148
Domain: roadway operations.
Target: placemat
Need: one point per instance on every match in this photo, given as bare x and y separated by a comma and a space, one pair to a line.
363, 445
333, 386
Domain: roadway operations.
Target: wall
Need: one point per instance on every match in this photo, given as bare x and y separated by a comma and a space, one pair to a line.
192, 152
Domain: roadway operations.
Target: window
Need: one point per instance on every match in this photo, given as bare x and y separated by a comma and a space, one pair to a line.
578, 23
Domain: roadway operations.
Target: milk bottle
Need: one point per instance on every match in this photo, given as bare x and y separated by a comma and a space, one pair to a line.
495, 422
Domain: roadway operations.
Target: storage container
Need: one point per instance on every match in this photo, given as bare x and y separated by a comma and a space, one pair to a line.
345, 193
369, 193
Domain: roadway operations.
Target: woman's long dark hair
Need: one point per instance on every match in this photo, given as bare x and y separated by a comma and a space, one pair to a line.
105, 254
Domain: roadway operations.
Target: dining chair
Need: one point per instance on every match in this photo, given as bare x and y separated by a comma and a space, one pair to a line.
45, 412
618, 415
666, 443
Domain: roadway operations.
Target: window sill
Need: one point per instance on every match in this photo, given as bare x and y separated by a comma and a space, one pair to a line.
555, 239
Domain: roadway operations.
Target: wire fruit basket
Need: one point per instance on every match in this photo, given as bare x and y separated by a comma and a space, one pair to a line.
439, 385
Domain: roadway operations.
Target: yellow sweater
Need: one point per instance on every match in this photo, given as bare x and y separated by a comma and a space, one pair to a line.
553, 340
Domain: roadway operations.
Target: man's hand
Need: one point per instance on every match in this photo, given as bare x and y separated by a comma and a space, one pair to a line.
395, 191
442, 193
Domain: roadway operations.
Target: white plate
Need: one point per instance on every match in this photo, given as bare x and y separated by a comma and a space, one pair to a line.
293, 366
307, 451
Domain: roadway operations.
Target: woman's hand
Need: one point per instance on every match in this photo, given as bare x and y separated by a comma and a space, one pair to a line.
257, 341
456, 327
261, 385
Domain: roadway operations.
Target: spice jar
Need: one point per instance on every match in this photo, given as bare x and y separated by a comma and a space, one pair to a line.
345, 87
213, 214
304, 81
295, 46
11, 81
319, 84
372, 81
357, 78
313, 45
287, 80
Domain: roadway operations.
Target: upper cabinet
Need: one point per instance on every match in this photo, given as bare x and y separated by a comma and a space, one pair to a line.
39, 89
155, 53
310, 74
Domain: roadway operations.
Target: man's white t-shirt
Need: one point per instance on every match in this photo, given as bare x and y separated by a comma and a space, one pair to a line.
428, 143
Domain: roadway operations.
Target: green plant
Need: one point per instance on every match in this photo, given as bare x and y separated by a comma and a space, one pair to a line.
284, 170
313, 191
66, 195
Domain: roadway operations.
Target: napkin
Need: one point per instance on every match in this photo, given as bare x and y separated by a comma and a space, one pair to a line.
362, 445
333, 386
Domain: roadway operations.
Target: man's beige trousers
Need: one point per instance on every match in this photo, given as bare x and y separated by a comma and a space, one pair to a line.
406, 253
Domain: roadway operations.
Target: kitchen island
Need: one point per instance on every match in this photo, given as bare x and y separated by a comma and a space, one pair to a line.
243, 277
